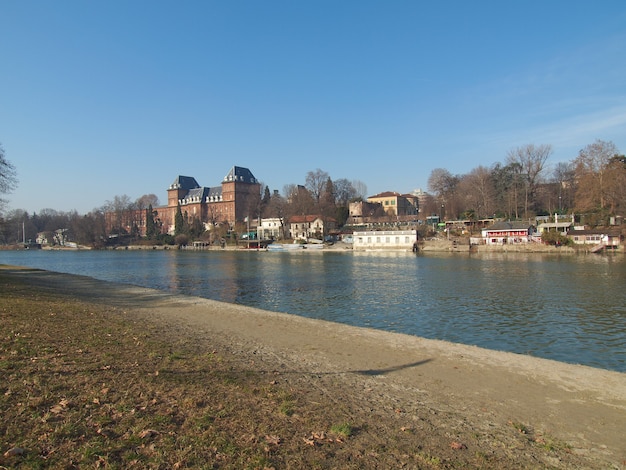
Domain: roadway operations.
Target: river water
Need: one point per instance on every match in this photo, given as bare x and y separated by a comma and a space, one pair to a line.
567, 308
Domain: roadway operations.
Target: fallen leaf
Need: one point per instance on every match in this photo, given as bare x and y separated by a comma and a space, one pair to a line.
106, 433
273, 440
60, 407
148, 433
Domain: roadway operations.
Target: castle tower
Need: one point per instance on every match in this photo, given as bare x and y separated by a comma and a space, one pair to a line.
179, 189
241, 191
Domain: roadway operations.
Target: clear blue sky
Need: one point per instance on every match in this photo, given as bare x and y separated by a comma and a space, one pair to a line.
106, 98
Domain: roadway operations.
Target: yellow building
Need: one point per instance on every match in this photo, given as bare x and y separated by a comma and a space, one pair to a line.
394, 203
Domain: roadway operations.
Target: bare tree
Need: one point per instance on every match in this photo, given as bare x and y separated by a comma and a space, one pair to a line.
214, 217
146, 201
532, 160
594, 166
344, 192
299, 200
360, 189
563, 176
507, 182
120, 209
316, 183
8, 176
277, 208
89, 229
616, 187
429, 205
444, 185
15, 226
440, 182
478, 192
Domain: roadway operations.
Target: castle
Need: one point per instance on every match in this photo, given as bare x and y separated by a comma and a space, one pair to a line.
236, 198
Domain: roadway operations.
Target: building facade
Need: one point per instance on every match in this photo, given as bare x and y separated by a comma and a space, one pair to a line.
303, 227
607, 238
396, 204
237, 197
270, 229
502, 233
385, 240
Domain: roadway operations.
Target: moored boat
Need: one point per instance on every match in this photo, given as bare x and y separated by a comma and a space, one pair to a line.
285, 247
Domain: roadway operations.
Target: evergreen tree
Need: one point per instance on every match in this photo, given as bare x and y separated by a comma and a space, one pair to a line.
150, 226
179, 222
266, 196
265, 202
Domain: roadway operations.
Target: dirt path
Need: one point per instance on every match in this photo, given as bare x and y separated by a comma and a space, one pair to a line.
456, 390
583, 406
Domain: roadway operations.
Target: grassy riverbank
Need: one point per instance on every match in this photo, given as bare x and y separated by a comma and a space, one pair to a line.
86, 383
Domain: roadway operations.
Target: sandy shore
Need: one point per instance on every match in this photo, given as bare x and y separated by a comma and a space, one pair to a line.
582, 406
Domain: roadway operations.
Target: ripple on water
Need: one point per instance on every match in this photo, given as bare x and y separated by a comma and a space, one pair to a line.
571, 309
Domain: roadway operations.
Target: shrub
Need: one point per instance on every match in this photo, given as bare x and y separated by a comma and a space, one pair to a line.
553, 237
181, 240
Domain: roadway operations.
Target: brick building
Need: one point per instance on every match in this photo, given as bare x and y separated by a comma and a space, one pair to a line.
236, 198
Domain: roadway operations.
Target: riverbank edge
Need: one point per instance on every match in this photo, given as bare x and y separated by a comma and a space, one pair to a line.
583, 406
423, 247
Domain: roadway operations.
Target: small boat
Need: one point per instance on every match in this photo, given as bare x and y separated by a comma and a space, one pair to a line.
285, 247
313, 246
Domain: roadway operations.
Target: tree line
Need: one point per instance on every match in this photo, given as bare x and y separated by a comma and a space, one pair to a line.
591, 185
319, 195
89, 229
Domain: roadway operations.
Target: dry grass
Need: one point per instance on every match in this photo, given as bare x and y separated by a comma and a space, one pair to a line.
84, 385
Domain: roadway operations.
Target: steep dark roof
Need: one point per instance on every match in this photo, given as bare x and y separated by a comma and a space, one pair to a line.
215, 191
203, 193
184, 182
197, 192
240, 174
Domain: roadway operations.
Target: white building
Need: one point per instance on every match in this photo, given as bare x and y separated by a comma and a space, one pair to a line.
270, 229
304, 227
385, 240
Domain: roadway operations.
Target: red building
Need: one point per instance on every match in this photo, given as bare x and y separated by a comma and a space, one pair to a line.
236, 198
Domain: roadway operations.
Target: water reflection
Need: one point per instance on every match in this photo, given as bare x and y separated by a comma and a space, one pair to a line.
569, 308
